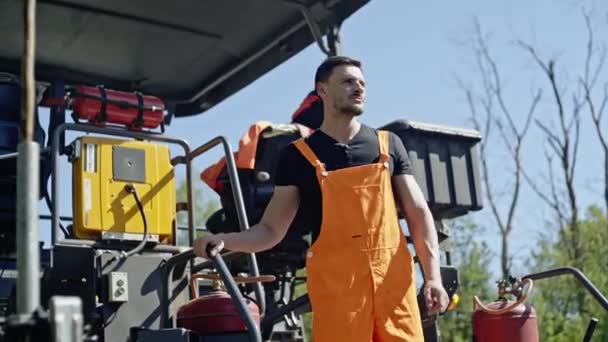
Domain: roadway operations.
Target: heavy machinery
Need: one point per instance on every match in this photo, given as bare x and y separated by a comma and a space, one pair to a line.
124, 70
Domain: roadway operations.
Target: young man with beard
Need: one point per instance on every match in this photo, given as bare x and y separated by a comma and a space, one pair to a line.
345, 177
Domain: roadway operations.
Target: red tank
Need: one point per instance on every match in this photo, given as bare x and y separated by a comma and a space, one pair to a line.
516, 325
215, 313
100, 106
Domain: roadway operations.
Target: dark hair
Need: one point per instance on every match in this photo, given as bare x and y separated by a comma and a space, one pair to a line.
325, 69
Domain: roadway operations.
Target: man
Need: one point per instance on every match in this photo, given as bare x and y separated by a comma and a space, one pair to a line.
345, 177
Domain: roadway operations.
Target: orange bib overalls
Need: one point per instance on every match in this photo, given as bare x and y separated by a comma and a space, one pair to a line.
360, 273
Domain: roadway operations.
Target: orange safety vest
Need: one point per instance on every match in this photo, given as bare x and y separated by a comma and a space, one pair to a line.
361, 280
245, 155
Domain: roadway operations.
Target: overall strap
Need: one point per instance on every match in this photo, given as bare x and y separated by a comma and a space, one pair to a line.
383, 142
307, 152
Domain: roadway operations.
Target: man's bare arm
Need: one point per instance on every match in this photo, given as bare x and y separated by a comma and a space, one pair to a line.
420, 222
422, 229
277, 218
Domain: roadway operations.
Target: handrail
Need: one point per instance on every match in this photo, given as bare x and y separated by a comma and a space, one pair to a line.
15, 155
590, 330
580, 276
237, 194
12, 155
166, 269
228, 256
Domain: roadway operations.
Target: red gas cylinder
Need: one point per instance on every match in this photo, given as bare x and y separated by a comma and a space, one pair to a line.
517, 325
216, 312
505, 321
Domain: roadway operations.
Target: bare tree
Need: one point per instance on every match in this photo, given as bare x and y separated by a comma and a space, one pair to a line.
494, 112
563, 142
560, 128
588, 83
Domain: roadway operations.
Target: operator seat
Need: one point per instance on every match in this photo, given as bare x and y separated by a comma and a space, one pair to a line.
257, 187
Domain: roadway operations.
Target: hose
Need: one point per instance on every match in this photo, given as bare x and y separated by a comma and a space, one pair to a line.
528, 289
131, 189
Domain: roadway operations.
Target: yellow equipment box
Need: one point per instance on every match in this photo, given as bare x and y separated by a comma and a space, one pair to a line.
103, 208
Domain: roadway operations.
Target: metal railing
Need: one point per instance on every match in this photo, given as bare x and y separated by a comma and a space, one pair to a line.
235, 185
57, 147
580, 276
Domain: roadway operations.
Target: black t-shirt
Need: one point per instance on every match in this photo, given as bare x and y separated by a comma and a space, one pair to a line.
363, 148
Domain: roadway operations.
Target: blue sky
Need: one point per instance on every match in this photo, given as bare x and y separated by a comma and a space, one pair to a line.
412, 53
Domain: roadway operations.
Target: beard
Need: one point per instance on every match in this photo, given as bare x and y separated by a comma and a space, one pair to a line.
350, 109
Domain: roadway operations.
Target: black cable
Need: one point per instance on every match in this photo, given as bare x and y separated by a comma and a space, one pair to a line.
47, 199
131, 189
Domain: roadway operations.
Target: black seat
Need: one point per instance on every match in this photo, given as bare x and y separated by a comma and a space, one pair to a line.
257, 187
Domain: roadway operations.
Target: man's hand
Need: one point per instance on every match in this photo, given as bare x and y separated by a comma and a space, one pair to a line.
200, 245
436, 298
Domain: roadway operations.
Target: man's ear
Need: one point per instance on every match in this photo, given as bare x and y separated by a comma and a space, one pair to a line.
320, 88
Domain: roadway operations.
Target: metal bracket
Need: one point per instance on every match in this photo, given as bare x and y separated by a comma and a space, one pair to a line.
333, 47
66, 318
119, 236
333, 40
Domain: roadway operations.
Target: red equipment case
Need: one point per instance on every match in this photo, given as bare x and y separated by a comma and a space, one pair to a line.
100, 106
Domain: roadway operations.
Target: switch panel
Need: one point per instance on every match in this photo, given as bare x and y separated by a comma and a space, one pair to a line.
118, 287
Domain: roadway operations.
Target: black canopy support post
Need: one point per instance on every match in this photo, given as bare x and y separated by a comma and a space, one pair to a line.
333, 41
314, 27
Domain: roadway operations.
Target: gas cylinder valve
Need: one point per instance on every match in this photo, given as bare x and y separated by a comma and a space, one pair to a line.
510, 286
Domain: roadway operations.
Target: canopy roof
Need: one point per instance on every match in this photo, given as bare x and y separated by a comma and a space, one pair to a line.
191, 53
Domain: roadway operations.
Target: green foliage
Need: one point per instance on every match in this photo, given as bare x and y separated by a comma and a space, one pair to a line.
472, 258
300, 290
563, 306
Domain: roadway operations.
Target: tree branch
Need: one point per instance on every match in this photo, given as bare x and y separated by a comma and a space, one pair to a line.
484, 162
552, 138
588, 85
555, 197
512, 136
577, 135
535, 188
531, 111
